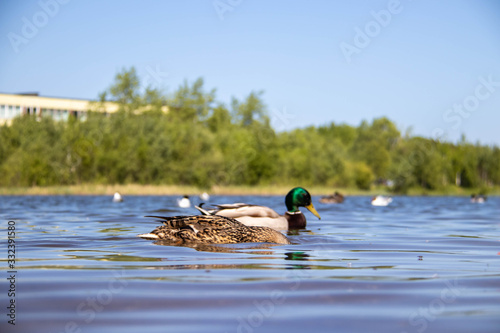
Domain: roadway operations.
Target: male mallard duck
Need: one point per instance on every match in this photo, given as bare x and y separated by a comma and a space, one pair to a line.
212, 229
252, 215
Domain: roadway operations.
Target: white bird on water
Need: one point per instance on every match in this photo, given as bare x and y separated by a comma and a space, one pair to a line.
184, 202
117, 197
380, 200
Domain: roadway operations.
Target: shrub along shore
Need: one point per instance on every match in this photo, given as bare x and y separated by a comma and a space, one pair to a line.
138, 189
201, 143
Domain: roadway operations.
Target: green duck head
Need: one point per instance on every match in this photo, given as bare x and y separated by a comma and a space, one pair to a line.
299, 197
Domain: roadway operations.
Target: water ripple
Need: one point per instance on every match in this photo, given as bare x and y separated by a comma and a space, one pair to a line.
422, 264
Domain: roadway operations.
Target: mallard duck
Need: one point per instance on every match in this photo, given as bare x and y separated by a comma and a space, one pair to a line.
211, 229
253, 215
332, 198
380, 200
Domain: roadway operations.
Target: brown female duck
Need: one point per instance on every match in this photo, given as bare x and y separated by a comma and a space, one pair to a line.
211, 229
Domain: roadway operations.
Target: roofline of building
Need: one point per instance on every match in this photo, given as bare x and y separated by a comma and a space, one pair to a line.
37, 94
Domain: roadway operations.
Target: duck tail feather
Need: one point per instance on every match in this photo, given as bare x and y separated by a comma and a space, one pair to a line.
148, 236
203, 211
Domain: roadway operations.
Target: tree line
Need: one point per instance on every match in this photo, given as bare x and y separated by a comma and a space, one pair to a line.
203, 142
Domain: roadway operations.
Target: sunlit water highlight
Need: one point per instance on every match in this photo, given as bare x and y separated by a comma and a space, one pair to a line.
422, 264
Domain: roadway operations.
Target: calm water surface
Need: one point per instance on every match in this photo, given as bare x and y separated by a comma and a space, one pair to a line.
422, 264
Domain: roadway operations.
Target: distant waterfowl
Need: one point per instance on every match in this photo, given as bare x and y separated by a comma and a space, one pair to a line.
477, 198
184, 202
117, 197
211, 229
204, 196
381, 200
253, 215
332, 198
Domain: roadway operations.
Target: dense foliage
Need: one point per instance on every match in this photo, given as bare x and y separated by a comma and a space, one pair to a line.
203, 142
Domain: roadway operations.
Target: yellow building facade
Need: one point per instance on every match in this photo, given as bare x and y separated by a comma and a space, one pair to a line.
14, 105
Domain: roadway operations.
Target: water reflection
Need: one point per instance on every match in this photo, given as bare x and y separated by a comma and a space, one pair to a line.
297, 256
225, 248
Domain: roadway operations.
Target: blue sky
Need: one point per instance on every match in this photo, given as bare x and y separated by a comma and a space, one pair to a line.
432, 66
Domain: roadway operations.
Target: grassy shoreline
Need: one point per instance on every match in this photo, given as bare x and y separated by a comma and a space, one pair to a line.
136, 189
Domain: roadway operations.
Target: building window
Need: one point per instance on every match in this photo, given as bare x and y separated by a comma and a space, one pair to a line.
10, 112
82, 115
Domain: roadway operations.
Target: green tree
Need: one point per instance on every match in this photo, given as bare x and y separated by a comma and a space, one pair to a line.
250, 111
201, 142
125, 90
191, 103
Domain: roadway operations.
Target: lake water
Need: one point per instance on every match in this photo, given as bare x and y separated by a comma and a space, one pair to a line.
422, 264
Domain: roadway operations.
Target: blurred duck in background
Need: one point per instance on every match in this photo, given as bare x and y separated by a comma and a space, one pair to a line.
381, 200
184, 202
334, 198
117, 197
477, 198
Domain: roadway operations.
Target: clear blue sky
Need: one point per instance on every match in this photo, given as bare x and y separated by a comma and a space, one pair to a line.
430, 65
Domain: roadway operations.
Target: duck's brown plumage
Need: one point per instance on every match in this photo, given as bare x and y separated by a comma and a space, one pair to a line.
332, 198
212, 229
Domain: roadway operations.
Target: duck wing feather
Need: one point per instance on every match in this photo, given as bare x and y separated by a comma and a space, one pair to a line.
242, 210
